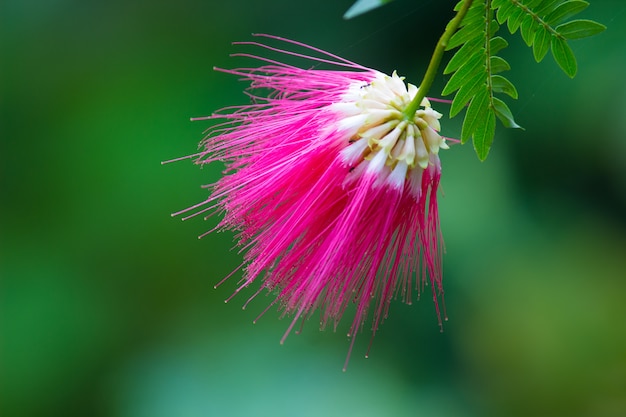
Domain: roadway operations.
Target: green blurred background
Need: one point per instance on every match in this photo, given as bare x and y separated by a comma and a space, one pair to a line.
107, 304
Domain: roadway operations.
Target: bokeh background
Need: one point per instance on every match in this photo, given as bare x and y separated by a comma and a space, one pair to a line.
107, 306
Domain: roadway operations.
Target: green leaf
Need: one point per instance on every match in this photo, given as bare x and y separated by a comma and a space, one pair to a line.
467, 70
466, 92
497, 44
505, 11
476, 114
515, 19
475, 13
504, 114
462, 55
564, 56
363, 6
499, 84
577, 29
498, 65
493, 28
532, 4
527, 29
541, 43
483, 137
464, 34
565, 10
545, 7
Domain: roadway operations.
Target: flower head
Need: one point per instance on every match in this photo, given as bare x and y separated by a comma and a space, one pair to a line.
330, 187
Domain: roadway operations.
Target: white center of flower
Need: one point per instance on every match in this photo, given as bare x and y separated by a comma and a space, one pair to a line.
379, 134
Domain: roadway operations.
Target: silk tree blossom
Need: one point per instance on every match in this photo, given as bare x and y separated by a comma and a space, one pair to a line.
330, 188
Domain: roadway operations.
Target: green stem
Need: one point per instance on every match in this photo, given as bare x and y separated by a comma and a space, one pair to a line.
435, 60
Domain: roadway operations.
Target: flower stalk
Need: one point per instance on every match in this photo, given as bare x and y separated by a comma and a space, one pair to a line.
435, 60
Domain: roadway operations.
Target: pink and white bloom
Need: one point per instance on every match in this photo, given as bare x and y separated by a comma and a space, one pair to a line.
331, 190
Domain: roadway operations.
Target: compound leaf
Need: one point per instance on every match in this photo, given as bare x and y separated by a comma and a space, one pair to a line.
474, 68
543, 26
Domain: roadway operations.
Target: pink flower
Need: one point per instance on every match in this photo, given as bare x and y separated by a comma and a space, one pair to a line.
330, 189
